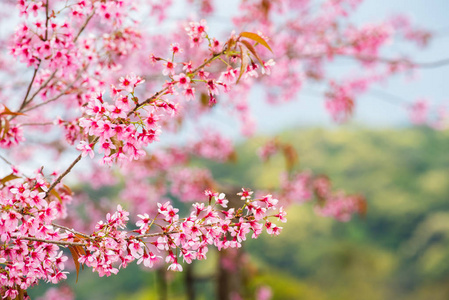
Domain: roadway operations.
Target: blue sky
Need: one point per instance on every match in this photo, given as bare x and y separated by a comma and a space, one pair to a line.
375, 109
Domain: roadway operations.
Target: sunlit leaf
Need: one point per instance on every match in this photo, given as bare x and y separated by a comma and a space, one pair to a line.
204, 99
257, 38
75, 257
7, 111
56, 194
244, 64
4, 128
8, 178
66, 190
252, 50
363, 206
291, 157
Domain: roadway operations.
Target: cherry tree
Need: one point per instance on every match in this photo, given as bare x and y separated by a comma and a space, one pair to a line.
90, 86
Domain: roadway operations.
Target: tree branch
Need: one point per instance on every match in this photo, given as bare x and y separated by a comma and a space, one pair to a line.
24, 102
46, 18
58, 96
62, 243
5, 160
58, 180
148, 100
156, 95
368, 58
72, 231
84, 25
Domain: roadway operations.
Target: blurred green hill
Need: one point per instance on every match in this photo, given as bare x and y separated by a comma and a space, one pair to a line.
400, 250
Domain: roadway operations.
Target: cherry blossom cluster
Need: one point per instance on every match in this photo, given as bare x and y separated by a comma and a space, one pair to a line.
188, 184
28, 209
235, 59
67, 64
58, 293
304, 187
340, 99
32, 243
197, 32
75, 50
341, 207
11, 134
420, 113
301, 187
304, 45
124, 127
212, 145
120, 129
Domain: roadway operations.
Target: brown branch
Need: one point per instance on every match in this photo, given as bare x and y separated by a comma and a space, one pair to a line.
62, 243
41, 87
58, 96
84, 25
5, 160
72, 231
156, 95
368, 58
67, 171
148, 100
37, 124
24, 102
390, 98
434, 64
154, 234
46, 18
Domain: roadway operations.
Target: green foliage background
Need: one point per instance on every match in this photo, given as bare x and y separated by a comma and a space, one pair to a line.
400, 250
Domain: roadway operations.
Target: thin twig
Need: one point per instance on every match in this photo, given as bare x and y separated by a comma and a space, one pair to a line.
393, 99
5, 160
154, 234
72, 231
41, 87
24, 102
434, 64
368, 58
56, 97
156, 95
27, 101
46, 18
63, 243
58, 180
67, 171
37, 124
84, 25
